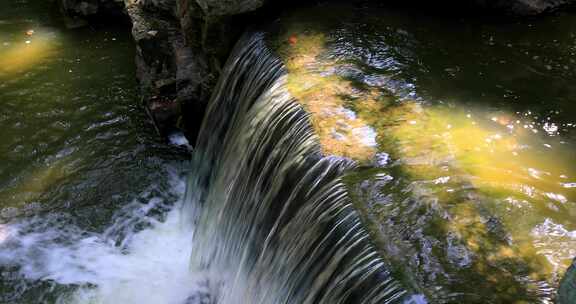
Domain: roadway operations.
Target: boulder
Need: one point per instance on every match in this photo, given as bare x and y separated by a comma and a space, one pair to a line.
174, 61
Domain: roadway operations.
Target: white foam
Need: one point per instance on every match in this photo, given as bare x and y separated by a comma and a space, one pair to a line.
555, 242
366, 135
148, 267
179, 139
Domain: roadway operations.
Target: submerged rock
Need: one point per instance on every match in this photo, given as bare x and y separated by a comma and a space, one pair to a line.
567, 292
444, 191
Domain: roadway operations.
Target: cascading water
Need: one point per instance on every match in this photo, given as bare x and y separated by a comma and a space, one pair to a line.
266, 218
468, 189
142, 257
274, 223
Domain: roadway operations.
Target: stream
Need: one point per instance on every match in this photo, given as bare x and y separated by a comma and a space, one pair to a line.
373, 154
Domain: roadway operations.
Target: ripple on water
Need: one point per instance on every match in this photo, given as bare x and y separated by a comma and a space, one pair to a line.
141, 257
479, 140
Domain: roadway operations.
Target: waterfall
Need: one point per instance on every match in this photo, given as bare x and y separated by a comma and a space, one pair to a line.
273, 219
265, 218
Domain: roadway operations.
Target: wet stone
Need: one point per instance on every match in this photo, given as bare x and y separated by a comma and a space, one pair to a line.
567, 291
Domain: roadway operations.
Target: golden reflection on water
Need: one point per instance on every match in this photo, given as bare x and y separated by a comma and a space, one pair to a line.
475, 162
341, 132
501, 165
34, 184
31, 49
490, 153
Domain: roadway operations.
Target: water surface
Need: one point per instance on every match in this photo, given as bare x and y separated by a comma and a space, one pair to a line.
81, 169
468, 125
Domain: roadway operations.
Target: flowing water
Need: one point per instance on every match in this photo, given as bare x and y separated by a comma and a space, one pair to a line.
449, 176
81, 170
92, 214
275, 223
467, 125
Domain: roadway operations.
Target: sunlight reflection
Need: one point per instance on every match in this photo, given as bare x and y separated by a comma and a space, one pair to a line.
479, 164
35, 46
34, 184
341, 132
3, 233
